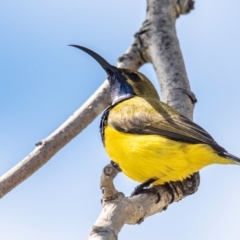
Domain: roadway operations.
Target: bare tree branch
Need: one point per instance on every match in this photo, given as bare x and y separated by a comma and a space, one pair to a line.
118, 210
157, 43
46, 148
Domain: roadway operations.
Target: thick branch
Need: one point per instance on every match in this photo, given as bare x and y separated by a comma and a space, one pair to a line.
161, 48
119, 210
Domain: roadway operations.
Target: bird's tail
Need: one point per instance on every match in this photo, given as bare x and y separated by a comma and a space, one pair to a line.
232, 157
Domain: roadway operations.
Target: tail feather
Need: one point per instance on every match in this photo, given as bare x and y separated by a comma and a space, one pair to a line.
232, 157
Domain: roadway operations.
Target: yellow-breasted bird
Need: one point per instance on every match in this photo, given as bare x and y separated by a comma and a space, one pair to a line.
150, 141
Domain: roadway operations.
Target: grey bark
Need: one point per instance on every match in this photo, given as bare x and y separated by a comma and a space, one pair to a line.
46, 148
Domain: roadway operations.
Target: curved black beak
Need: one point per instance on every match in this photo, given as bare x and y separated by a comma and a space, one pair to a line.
119, 88
110, 70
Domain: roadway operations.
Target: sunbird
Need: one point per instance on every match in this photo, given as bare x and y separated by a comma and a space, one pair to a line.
151, 142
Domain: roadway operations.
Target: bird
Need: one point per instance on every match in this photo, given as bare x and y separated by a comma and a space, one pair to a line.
150, 141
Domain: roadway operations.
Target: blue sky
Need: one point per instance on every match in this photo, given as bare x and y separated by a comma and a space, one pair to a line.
43, 81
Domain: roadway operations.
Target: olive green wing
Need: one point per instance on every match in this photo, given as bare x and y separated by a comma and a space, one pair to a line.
168, 123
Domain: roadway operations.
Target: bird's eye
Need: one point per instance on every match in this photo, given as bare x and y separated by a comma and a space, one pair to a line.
134, 77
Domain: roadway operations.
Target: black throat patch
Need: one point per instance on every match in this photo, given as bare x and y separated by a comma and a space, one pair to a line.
103, 122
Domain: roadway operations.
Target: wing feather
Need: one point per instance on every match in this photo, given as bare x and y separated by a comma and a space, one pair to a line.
162, 120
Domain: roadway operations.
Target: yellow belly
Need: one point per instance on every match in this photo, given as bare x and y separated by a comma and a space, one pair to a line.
142, 157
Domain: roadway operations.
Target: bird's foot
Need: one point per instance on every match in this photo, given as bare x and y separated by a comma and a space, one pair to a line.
116, 166
143, 188
169, 188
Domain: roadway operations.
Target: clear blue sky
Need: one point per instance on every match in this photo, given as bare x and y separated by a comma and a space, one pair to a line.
42, 82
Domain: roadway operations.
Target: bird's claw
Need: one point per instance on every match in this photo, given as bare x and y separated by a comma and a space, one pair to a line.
143, 188
116, 166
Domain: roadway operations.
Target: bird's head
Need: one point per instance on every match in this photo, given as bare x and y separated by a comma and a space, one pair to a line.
124, 83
